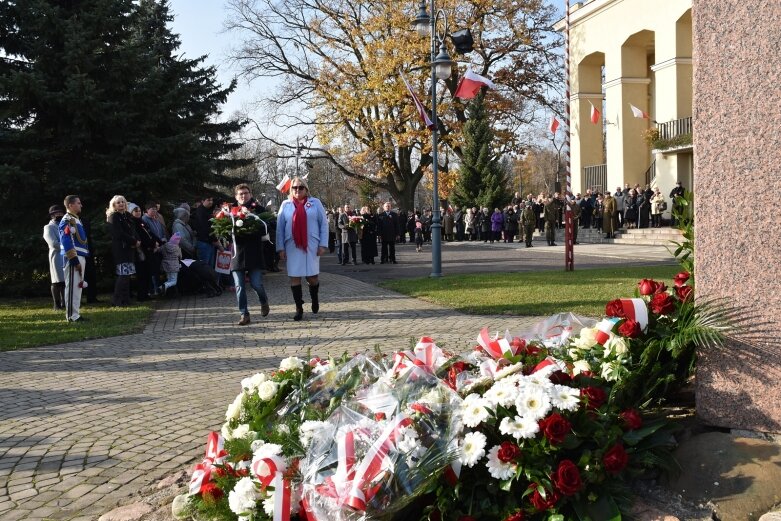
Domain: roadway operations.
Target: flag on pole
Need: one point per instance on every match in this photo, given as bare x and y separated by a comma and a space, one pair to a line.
284, 185
470, 84
638, 113
553, 126
594, 114
418, 105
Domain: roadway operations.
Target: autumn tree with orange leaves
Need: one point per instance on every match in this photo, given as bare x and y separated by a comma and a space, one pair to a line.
339, 63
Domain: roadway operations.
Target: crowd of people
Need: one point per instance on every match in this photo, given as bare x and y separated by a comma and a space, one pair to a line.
152, 259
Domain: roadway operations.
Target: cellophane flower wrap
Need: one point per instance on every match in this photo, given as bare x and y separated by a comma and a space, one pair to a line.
233, 221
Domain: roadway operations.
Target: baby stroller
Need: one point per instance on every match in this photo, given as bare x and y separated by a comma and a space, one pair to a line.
197, 277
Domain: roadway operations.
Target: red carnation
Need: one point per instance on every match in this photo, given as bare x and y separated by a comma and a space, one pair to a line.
615, 459
508, 452
632, 419
630, 329
647, 286
555, 428
614, 308
543, 503
595, 396
683, 292
566, 478
662, 304
532, 349
211, 490
681, 278
517, 516
518, 344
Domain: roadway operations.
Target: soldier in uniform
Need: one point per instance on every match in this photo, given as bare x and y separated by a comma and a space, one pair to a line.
551, 215
528, 221
609, 216
73, 244
576, 211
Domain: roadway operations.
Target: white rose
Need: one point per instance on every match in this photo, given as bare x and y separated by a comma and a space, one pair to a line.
243, 497
239, 223
267, 390
242, 431
252, 382
179, 506
617, 345
291, 363
226, 432
234, 409
580, 366
587, 338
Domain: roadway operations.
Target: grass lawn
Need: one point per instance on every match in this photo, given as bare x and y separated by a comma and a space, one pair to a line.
31, 322
533, 293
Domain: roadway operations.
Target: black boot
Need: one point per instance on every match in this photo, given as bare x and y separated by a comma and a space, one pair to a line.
313, 292
298, 298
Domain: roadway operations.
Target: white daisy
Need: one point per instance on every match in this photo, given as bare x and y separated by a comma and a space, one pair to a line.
497, 468
501, 394
519, 427
533, 402
472, 448
565, 398
474, 412
541, 378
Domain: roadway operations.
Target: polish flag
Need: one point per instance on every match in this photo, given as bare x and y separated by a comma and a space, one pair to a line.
284, 185
594, 114
553, 126
638, 113
470, 85
418, 105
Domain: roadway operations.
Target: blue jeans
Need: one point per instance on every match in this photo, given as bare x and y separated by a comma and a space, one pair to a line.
256, 281
206, 253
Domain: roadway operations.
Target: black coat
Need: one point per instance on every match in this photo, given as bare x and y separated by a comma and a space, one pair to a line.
123, 237
249, 248
388, 227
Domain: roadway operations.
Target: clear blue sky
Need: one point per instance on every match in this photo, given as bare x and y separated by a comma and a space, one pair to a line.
199, 24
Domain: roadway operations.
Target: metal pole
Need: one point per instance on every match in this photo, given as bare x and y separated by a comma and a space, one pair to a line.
298, 153
569, 253
436, 226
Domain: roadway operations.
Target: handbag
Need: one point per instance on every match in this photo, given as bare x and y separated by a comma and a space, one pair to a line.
663, 205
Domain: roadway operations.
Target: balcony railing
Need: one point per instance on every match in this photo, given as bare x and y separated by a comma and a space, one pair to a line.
595, 177
650, 174
672, 134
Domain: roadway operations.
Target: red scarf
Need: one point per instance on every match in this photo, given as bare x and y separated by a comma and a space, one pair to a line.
299, 224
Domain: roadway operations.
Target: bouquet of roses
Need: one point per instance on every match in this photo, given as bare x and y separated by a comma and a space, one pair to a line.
236, 220
356, 222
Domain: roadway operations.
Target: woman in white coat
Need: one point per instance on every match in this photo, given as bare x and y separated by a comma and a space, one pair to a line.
52, 237
302, 237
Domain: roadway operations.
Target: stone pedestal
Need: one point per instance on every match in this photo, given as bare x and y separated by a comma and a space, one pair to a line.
737, 185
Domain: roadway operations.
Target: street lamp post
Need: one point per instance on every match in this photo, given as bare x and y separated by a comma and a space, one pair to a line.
441, 68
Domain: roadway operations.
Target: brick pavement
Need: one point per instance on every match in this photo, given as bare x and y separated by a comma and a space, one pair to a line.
86, 424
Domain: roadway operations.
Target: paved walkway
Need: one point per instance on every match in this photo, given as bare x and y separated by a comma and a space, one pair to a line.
86, 424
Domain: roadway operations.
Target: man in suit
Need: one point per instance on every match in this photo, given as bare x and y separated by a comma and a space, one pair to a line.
675, 193
388, 230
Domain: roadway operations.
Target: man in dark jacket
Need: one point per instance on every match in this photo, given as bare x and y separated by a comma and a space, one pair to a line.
388, 229
248, 258
675, 193
206, 242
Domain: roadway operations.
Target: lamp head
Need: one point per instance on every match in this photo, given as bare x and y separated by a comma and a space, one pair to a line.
422, 22
443, 65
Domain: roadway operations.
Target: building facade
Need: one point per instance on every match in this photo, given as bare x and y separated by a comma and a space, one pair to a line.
628, 53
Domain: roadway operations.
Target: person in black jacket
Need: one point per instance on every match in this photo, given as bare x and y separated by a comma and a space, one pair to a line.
248, 258
206, 242
388, 230
144, 253
124, 244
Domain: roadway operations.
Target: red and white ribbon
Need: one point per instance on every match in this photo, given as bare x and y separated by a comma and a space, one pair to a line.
496, 347
271, 471
281, 498
637, 310
425, 356
215, 455
605, 329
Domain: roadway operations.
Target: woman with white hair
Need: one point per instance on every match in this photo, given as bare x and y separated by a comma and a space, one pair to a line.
302, 237
124, 243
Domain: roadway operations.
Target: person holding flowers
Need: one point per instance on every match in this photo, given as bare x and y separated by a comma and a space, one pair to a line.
302, 238
124, 244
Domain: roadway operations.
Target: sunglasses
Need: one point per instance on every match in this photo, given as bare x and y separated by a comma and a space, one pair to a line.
298, 187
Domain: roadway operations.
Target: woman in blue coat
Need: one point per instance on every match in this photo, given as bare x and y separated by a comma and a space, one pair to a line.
302, 237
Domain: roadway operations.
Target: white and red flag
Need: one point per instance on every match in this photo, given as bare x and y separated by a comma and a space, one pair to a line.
553, 126
284, 185
594, 113
418, 105
636, 112
470, 84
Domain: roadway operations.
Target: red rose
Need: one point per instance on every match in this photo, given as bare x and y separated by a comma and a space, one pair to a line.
681, 279
660, 287
211, 490
683, 292
632, 419
566, 478
614, 308
615, 459
662, 304
508, 451
532, 349
630, 329
518, 344
543, 503
419, 407
560, 378
595, 396
555, 428
517, 516
379, 416
647, 286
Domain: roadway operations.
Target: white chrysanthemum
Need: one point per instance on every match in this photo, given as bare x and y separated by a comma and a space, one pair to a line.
268, 503
267, 450
587, 338
234, 409
507, 371
501, 393
472, 448
580, 366
474, 412
519, 427
533, 402
565, 398
540, 379
291, 364
242, 431
239, 223
311, 429
617, 345
267, 390
243, 497
497, 468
